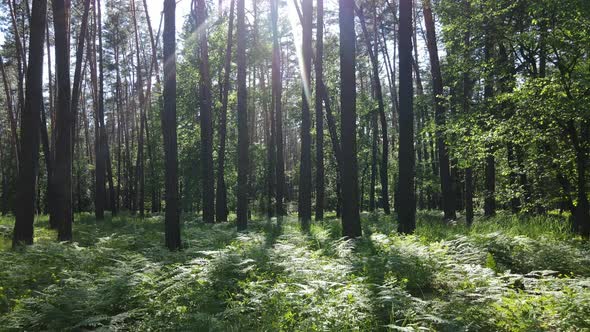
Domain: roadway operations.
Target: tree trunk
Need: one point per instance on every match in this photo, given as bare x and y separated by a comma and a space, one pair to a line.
490, 163
305, 173
64, 118
446, 182
378, 94
406, 196
221, 210
206, 118
242, 190
25, 211
139, 165
172, 219
277, 109
319, 116
351, 226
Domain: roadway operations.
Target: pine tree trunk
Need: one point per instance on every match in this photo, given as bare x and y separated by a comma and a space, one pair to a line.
221, 209
277, 110
206, 116
172, 218
319, 114
305, 173
64, 118
25, 210
242, 190
406, 196
351, 226
448, 196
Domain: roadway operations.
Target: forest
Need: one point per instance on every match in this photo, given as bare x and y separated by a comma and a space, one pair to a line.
294, 165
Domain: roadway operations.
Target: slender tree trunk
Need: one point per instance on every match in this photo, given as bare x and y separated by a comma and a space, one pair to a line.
139, 165
319, 72
351, 226
406, 197
243, 162
64, 118
11, 115
378, 94
221, 210
206, 118
172, 218
277, 109
25, 211
305, 173
448, 196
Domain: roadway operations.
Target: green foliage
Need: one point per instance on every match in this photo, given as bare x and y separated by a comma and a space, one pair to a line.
503, 274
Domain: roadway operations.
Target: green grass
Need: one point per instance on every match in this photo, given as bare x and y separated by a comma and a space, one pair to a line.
507, 273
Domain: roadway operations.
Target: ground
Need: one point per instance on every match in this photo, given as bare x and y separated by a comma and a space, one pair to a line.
507, 273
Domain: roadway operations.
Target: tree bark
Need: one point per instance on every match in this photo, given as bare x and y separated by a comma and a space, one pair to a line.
243, 162
64, 118
277, 109
319, 72
206, 118
305, 173
406, 195
446, 182
221, 210
25, 211
351, 226
172, 219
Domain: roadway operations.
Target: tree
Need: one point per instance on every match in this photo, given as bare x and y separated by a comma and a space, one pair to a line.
406, 195
221, 193
490, 160
25, 211
378, 94
172, 218
319, 114
277, 110
206, 117
100, 171
243, 159
351, 226
305, 175
64, 122
446, 181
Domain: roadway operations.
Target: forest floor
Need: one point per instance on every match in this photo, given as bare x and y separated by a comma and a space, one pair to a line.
506, 273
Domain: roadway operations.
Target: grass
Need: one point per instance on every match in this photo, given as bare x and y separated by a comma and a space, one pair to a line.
507, 273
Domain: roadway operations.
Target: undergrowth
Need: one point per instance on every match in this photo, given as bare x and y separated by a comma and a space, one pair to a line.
507, 273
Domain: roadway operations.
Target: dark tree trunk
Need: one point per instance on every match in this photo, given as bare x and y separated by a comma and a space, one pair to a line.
243, 162
206, 118
277, 109
351, 226
406, 196
378, 94
25, 211
99, 173
319, 114
221, 209
446, 182
139, 165
64, 118
172, 219
305, 174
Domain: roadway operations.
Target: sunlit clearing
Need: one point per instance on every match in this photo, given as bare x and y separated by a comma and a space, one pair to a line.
297, 32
